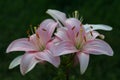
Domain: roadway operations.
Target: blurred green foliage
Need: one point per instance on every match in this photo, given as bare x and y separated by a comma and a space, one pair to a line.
17, 15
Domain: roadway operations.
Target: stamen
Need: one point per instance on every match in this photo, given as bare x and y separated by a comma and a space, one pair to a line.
91, 33
73, 27
76, 14
101, 36
31, 29
35, 28
77, 34
85, 38
37, 35
81, 19
91, 27
44, 29
28, 33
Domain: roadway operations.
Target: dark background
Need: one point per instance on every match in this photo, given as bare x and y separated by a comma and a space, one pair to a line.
17, 15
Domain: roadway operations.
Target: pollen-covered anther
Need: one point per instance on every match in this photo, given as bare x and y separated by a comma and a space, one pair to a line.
76, 14
28, 33
73, 27
91, 33
101, 36
37, 35
35, 28
84, 38
44, 29
91, 27
77, 34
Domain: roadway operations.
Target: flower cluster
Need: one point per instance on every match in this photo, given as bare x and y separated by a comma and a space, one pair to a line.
61, 36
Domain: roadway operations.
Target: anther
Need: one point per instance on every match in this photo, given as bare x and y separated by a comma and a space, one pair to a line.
85, 38
91, 27
37, 35
101, 36
77, 34
35, 28
91, 33
76, 14
28, 33
73, 27
44, 29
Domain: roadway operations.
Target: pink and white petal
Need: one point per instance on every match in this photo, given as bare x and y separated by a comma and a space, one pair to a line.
62, 34
97, 47
88, 28
15, 62
28, 62
46, 55
84, 60
62, 48
21, 45
57, 15
46, 29
73, 22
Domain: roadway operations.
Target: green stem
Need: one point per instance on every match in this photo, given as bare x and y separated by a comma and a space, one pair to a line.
67, 74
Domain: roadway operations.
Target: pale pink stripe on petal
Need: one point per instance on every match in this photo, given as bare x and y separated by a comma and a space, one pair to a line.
84, 60
21, 45
28, 62
98, 47
46, 55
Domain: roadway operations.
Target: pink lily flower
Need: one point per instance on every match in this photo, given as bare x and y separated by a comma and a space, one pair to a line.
81, 40
36, 48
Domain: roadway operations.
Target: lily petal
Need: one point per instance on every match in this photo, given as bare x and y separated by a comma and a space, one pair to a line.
21, 45
73, 22
28, 62
62, 34
46, 55
97, 47
15, 62
46, 29
88, 28
57, 15
62, 48
84, 60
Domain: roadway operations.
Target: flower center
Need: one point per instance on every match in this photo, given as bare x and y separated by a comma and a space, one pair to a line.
80, 38
39, 44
